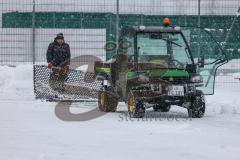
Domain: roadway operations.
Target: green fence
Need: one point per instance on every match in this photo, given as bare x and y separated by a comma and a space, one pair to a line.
217, 25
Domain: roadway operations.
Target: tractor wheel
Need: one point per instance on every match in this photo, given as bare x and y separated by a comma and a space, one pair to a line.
135, 107
162, 108
197, 108
107, 102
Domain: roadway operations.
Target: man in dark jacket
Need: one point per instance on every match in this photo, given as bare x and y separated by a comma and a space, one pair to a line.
58, 58
58, 53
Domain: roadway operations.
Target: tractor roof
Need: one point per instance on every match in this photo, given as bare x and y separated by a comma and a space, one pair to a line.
169, 29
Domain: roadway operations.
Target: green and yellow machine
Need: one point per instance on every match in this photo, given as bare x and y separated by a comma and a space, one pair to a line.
160, 66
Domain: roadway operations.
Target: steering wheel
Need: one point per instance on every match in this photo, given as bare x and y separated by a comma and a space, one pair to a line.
131, 58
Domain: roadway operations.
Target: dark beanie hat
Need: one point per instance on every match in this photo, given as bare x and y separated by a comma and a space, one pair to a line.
60, 36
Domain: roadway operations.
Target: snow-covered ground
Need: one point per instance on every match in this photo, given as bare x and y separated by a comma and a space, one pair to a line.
29, 128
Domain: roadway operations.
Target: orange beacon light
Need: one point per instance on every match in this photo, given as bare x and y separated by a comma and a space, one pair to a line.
166, 22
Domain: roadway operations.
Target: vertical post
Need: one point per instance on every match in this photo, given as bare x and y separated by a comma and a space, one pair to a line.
185, 20
142, 19
199, 13
33, 43
153, 7
33, 32
117, 21
199, 25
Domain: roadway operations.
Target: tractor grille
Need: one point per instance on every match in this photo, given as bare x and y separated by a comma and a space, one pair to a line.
177, 80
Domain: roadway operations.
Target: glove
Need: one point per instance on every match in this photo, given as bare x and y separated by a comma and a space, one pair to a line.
50, 65
67, 69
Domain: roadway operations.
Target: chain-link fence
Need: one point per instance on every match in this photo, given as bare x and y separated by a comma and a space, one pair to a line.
28, 26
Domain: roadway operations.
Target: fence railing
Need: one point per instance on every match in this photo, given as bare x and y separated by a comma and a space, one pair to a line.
28, 26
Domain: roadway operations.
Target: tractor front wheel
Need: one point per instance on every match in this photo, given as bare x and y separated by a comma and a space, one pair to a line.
197, 108
135, 107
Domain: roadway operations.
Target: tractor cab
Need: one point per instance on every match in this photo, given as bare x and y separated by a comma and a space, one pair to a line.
157, 45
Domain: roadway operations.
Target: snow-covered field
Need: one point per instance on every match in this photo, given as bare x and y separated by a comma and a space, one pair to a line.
29, 128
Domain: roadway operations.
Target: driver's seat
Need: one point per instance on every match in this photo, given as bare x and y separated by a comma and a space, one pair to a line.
163, 60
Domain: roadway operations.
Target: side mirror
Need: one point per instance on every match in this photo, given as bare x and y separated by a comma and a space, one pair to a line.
201, 62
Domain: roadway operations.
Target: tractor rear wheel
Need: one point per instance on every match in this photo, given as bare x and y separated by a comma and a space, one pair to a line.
107, 102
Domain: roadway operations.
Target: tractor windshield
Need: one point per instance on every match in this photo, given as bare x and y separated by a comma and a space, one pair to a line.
168, 49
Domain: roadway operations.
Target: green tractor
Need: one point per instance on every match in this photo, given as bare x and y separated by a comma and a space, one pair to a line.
157, 67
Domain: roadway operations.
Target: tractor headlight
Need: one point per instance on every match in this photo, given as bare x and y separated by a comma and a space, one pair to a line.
197, 79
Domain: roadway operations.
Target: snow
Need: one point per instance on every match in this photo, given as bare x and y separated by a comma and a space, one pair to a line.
16, 84
237, 14
29, 128
232, 64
